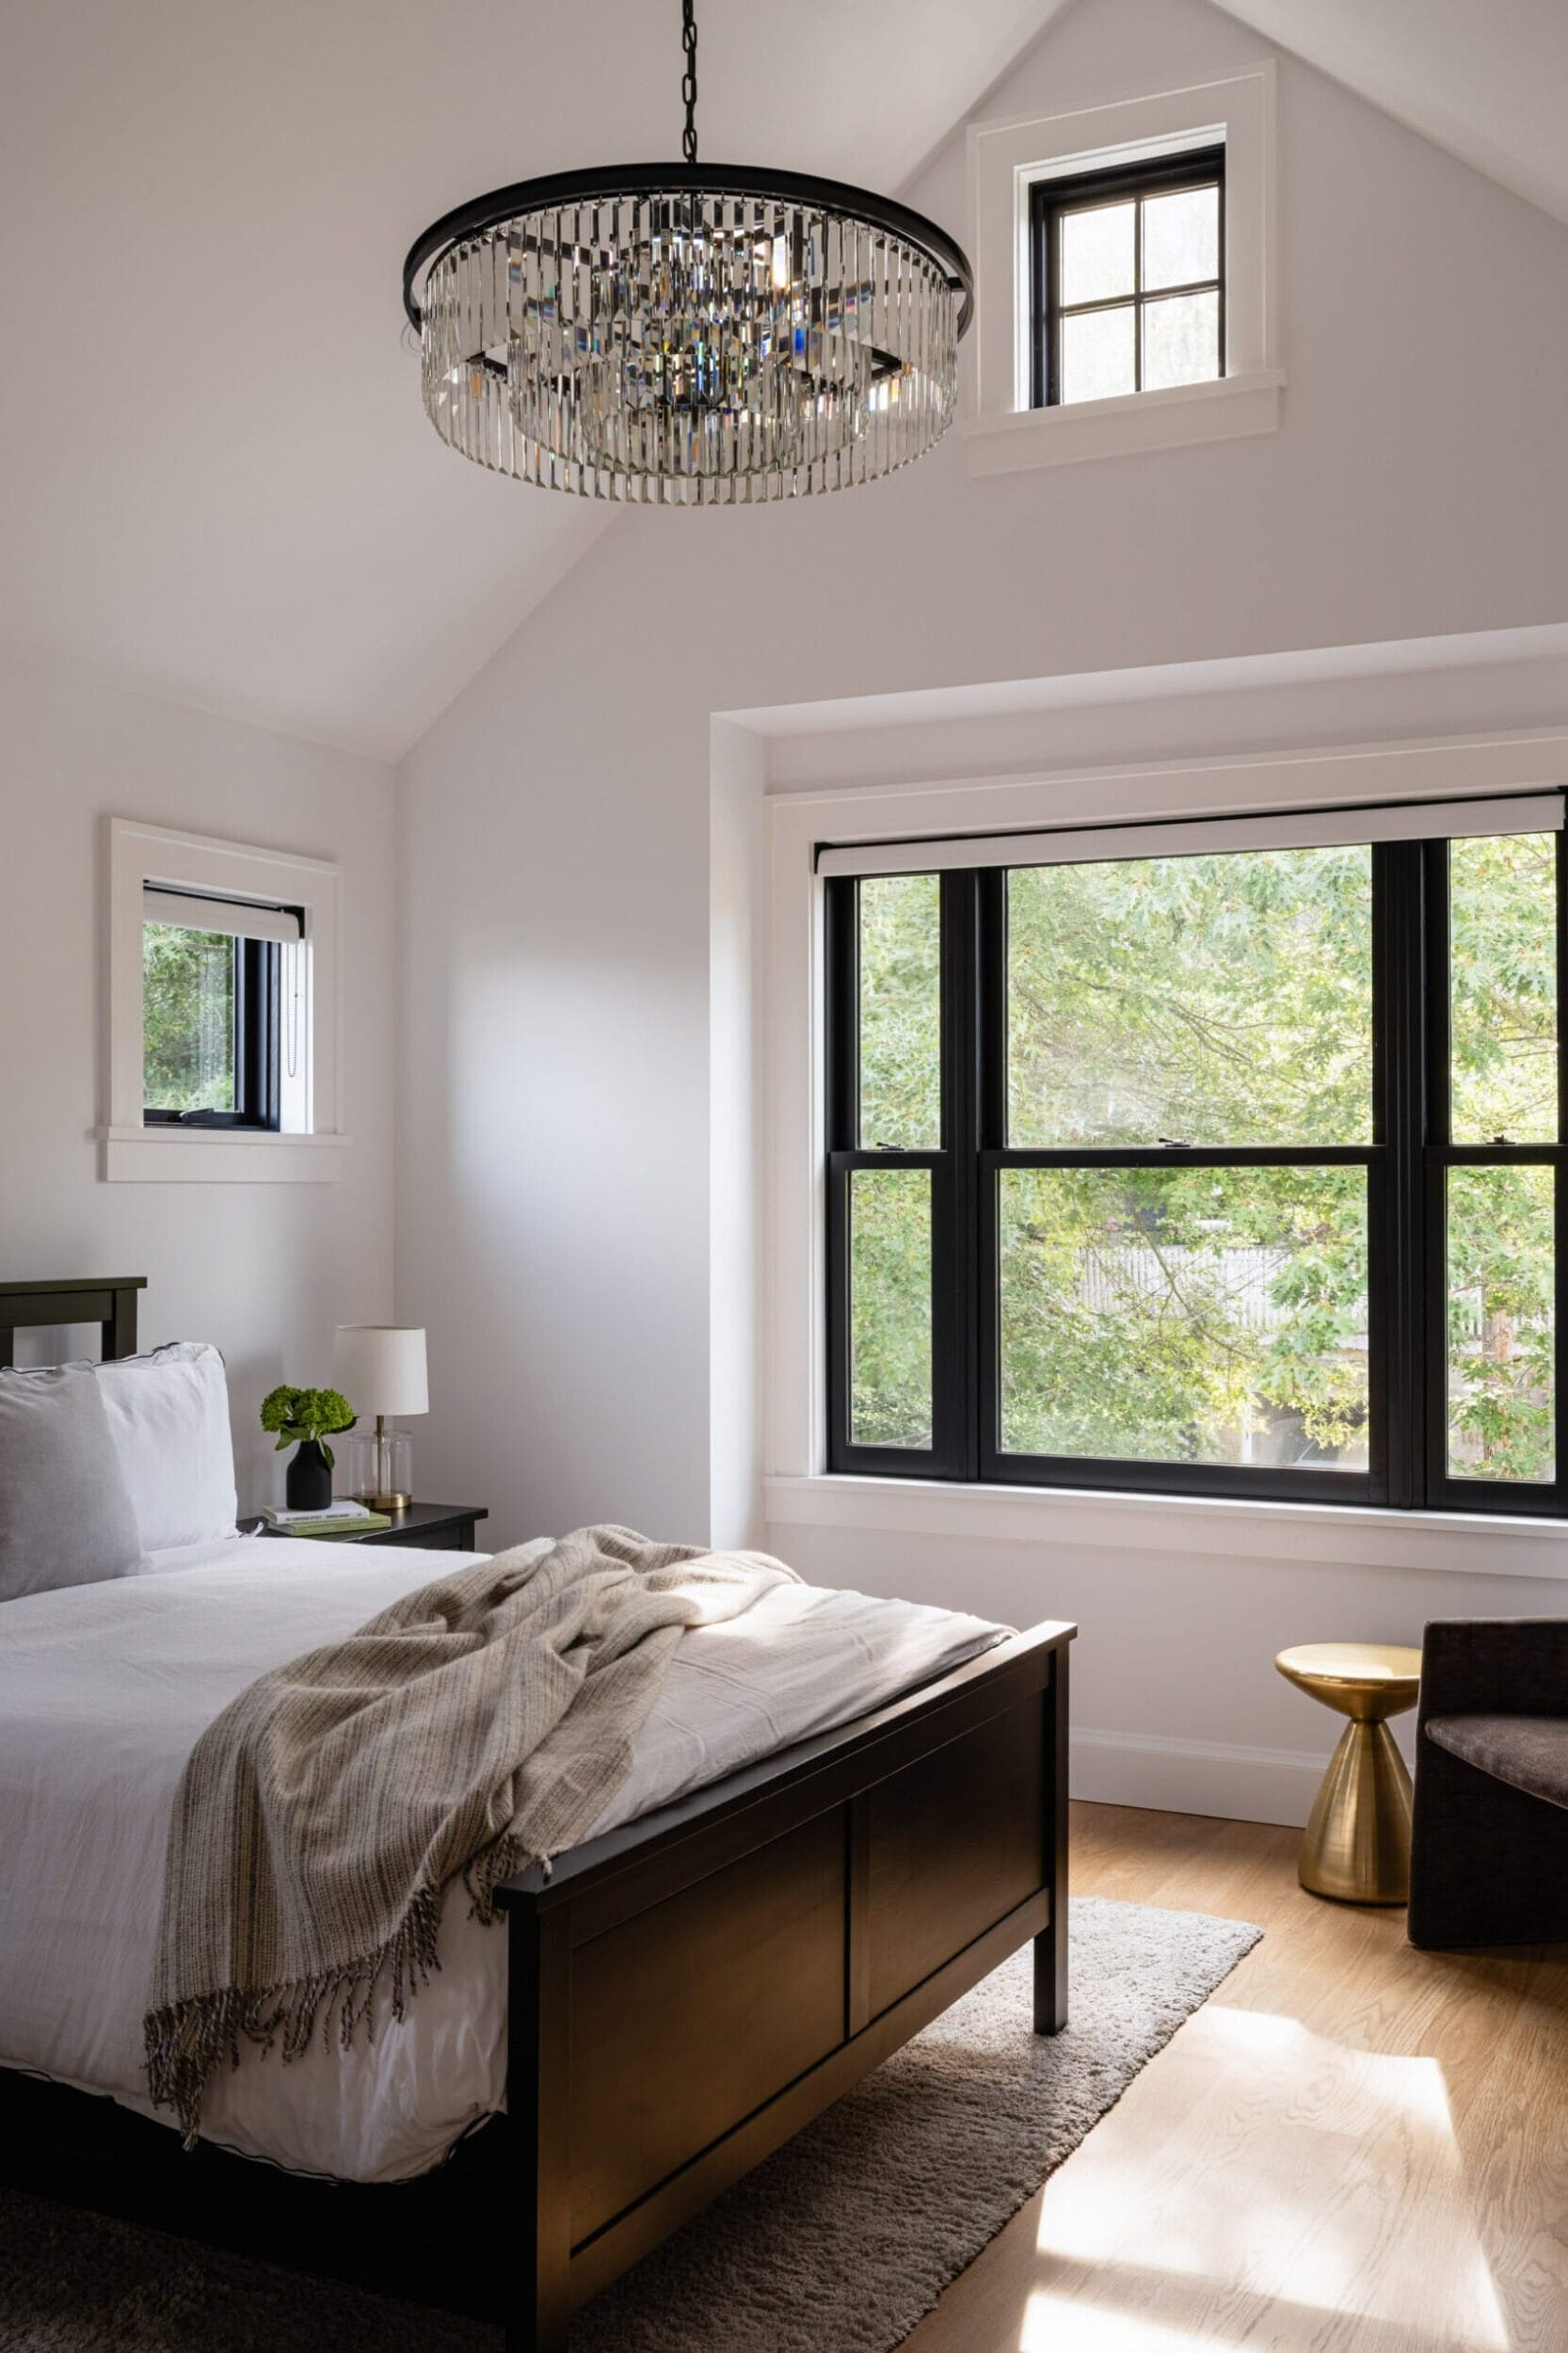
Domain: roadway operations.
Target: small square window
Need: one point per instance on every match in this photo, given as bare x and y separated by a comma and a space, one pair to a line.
1129, 278
210, 1031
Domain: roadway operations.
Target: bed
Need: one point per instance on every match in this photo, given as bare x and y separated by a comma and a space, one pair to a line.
673, 2000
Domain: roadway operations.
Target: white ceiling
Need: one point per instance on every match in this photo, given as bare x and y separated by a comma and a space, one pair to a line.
216, 478
1488, 79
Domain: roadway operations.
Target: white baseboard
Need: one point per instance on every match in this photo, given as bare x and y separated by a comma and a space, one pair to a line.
1195, 1776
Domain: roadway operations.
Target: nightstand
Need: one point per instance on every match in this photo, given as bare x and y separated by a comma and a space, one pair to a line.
434, 1527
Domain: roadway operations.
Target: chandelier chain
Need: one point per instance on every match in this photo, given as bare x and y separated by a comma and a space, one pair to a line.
688, 80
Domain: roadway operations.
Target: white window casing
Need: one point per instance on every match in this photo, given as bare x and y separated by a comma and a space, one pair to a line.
1410, 790
161, 876
1007, 159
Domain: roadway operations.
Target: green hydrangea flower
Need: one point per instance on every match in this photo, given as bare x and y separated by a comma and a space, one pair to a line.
300, 1415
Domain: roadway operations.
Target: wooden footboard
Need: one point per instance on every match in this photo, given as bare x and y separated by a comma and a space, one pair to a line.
688, 1991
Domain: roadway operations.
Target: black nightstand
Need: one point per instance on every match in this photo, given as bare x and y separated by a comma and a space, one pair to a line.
434, 1527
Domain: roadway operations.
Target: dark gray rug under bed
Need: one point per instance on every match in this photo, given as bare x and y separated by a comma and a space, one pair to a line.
839, 2244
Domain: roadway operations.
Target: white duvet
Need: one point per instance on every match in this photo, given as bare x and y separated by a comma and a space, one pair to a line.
104, 1690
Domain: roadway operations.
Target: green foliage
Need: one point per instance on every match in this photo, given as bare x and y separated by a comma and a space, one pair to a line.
1187, 1314
187, 1019
891, 1283
297, 1414
900, 1014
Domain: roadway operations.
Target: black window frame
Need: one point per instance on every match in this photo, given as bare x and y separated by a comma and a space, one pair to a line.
258, 1043
1050, 199
1406, 1161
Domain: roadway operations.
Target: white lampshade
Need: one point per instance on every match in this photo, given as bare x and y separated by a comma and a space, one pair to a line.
380, 1369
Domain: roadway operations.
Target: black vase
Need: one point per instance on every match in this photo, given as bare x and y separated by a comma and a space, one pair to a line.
308, 1486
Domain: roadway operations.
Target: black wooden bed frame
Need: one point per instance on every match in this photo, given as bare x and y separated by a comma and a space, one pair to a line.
685, 1992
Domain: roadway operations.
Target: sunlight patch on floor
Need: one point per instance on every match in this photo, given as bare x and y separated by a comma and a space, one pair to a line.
1266, 2180
1051, 2324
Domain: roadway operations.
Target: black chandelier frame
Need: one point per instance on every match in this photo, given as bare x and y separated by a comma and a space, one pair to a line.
483, 214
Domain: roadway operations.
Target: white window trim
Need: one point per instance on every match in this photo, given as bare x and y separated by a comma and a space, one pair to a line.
1006, 159
797, 1486
307, 1149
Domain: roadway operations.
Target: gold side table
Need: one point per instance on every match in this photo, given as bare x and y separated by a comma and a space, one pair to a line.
1356, 1846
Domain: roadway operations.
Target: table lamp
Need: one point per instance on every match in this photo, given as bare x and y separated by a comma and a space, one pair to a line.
380, 1369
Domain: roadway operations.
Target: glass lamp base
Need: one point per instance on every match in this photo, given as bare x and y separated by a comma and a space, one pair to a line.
380, 1468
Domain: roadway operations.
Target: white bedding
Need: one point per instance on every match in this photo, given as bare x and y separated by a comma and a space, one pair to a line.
103, 1691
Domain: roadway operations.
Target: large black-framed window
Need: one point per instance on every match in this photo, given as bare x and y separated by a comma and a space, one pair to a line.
1234, 1173
212, 1027
1127, 270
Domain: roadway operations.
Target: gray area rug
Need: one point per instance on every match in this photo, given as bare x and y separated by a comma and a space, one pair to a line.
839, 2244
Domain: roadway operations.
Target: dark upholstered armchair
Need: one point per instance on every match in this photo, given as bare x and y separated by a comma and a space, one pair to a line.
1489, 1862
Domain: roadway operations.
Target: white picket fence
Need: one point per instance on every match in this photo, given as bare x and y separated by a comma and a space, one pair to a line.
1241, 1280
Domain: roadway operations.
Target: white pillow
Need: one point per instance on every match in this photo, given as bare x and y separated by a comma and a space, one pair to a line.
168, 1418
65, 1515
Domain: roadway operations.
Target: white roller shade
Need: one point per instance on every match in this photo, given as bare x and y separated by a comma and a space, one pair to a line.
1296, 829
234, 916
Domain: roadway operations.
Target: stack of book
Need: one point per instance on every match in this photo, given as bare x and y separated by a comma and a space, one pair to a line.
341, 1518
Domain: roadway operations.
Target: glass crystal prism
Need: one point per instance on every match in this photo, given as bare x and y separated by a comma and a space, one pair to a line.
689, 349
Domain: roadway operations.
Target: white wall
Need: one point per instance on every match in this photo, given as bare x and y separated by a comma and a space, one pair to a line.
1174, 1699
556, 1117
264, 1271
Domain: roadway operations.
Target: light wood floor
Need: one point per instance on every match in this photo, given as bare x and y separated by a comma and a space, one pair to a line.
1352, 2148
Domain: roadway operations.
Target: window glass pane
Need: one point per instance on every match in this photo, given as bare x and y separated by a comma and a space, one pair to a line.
1096, 253
187, 1019
1226, 998
901, 1012
889, 1289
1098, 356
1502, 1403
1503, 1002
1181, 237
1181, 340
1185, 1315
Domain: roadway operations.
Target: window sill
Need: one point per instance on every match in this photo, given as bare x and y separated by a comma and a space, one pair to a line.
217, 1156
1009, 440
1334, 1535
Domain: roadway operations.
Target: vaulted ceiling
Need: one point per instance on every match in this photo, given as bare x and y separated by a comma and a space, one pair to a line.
214, 475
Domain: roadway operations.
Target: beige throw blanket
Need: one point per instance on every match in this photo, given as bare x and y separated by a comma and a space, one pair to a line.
478, 1725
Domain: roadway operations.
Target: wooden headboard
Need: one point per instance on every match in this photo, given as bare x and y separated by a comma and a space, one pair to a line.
108, 1301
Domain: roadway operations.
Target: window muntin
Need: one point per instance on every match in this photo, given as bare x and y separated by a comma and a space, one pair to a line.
1328, 1289
1128, 279
210, 1028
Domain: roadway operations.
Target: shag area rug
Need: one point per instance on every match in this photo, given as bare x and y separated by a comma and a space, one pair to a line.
839, 2244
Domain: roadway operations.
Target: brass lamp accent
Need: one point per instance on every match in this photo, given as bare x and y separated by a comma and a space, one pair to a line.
1356, 1844
387, 1492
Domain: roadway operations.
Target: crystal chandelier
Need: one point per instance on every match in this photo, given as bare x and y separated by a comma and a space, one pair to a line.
683, 336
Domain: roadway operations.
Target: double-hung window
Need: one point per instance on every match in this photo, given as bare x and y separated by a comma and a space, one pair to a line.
1128, 278
212, 995
1214, 1156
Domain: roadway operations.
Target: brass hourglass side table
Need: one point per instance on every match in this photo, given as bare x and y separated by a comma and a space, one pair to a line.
1356, 1844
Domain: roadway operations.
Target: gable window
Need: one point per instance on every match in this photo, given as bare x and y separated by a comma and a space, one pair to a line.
212, 1018
1128, 278
1222, 1158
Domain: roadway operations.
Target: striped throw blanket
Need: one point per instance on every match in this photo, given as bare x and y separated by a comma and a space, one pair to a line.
476, 1726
